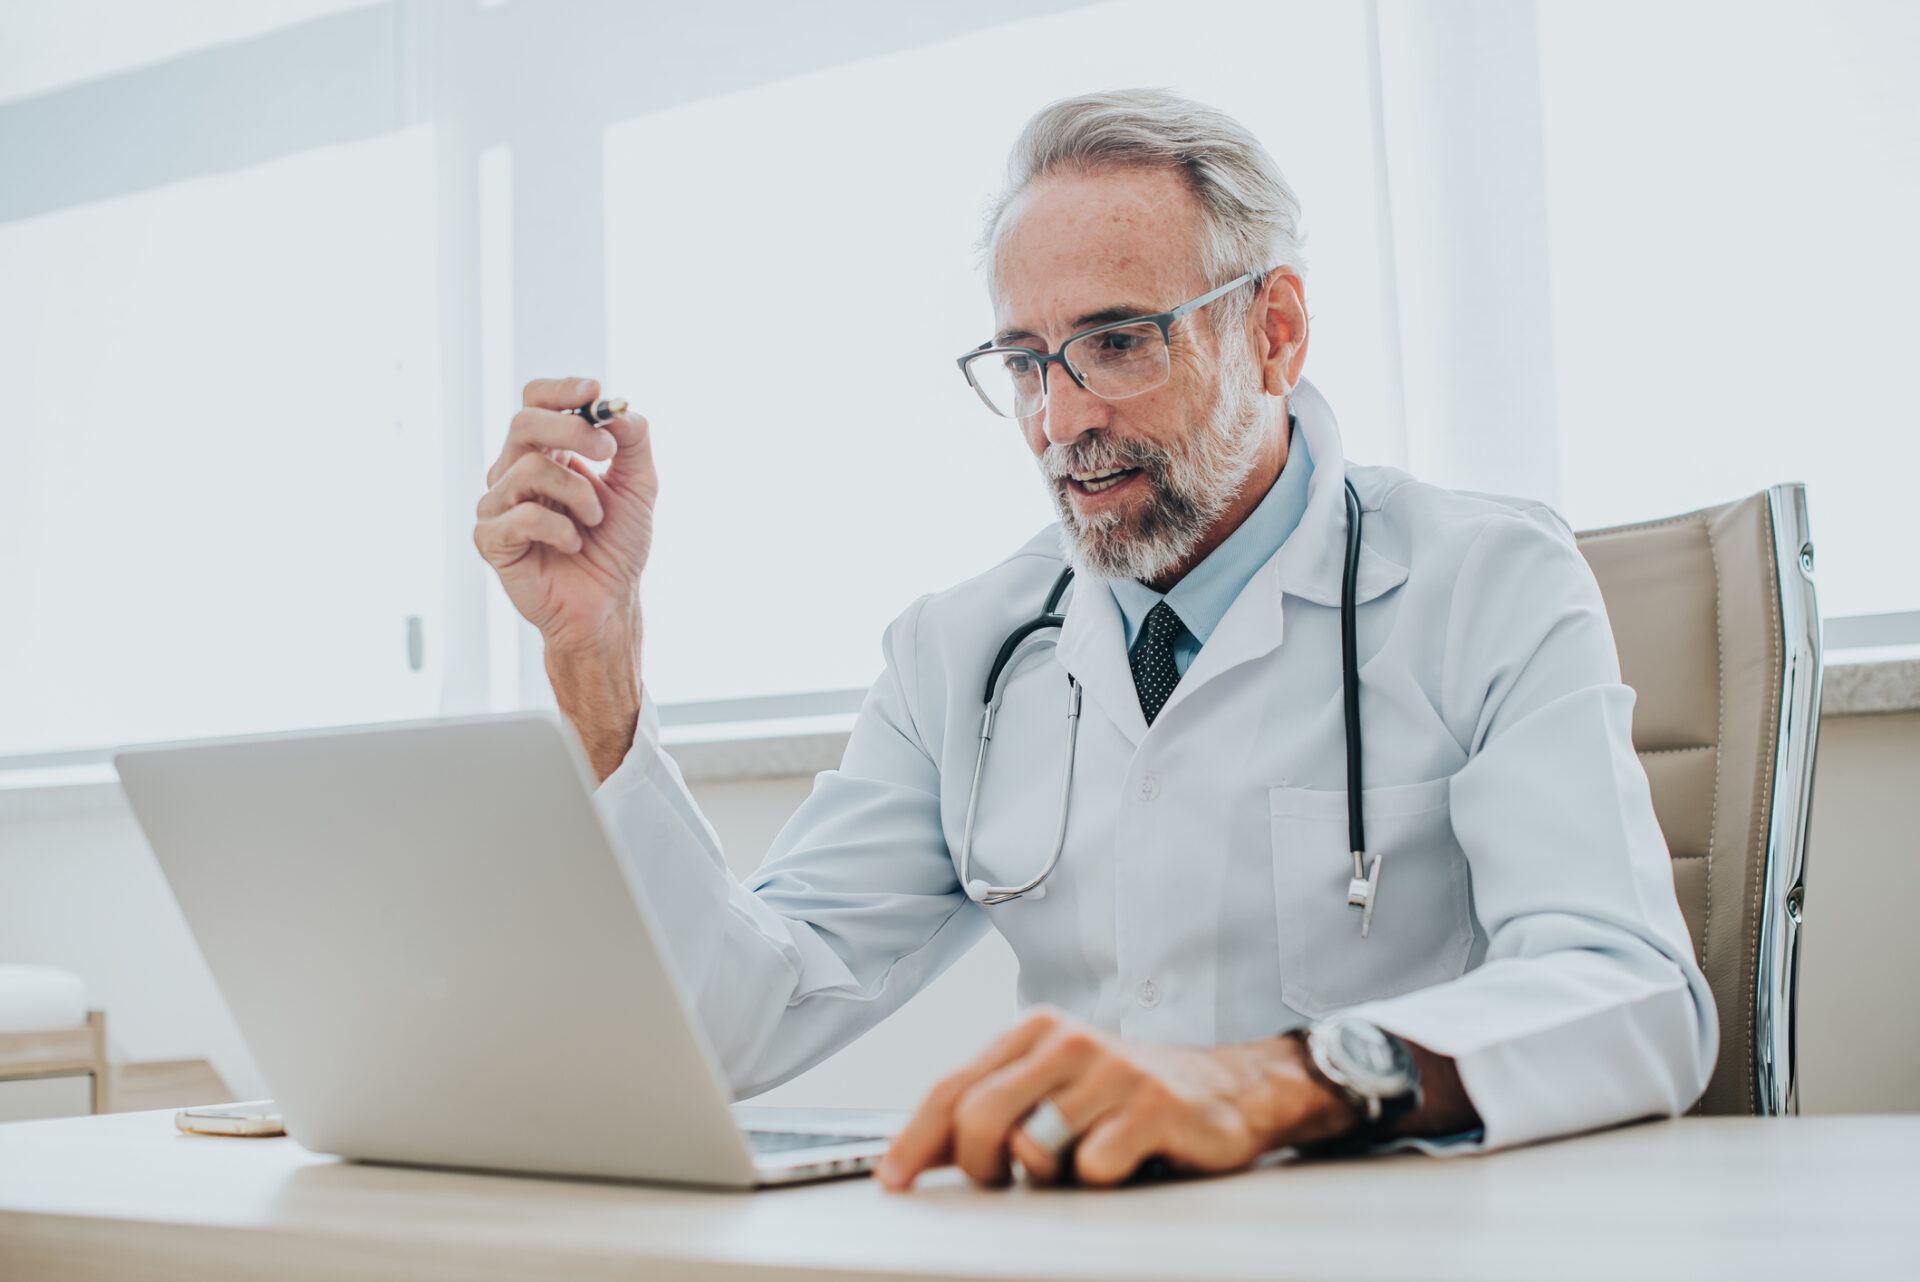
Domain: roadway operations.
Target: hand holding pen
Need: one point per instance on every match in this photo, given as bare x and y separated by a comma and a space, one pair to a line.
543, 496
569, 543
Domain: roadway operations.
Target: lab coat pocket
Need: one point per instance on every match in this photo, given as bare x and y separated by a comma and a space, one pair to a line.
1422, 923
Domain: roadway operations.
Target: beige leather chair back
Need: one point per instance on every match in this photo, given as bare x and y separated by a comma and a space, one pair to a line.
1714, 617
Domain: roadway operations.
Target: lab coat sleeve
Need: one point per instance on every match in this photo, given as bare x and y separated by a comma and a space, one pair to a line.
855, 909
1589, 1008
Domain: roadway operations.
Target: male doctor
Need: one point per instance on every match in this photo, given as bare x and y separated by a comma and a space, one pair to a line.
1201, 992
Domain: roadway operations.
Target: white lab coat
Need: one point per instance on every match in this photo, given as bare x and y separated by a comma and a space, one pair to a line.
1526, 922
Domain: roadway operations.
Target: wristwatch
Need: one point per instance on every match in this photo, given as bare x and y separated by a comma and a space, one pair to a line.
1372, 1068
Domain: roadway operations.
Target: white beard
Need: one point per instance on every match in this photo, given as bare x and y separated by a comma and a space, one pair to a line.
1194, 482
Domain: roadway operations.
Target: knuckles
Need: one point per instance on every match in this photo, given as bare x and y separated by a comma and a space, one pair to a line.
975, 1134
1118, 1075
1097, 1171
1072, 1043
1152, 1102
1043, 1019
947, 1091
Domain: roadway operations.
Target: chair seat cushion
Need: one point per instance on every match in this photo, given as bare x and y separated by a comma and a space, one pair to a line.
36, 998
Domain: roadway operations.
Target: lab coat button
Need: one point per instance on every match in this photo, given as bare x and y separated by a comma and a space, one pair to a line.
1149, 787
1148, 994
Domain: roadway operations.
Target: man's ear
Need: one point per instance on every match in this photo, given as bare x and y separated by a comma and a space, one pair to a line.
1280, 320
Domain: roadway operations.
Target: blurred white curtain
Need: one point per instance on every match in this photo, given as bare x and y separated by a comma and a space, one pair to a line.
1465, 178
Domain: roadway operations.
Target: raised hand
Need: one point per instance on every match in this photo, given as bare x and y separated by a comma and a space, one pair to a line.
569, 547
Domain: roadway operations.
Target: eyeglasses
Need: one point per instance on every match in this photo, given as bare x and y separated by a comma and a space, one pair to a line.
1113, 361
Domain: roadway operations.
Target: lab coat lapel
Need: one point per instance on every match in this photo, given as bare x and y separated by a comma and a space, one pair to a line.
1310, 564
1093, 647
1252, 627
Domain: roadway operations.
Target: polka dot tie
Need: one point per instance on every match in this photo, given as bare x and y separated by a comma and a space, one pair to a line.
1154, 673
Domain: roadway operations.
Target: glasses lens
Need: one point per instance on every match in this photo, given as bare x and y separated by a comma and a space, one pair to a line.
1120, 362
1008, 380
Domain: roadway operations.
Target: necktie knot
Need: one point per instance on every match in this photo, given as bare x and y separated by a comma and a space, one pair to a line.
1154, 672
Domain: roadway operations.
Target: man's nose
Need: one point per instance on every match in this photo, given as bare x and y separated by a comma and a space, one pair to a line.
1071, 411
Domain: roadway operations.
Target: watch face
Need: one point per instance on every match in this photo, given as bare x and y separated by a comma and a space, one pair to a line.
1380, 1065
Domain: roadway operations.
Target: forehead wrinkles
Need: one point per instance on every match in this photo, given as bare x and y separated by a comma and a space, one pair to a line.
1075, 243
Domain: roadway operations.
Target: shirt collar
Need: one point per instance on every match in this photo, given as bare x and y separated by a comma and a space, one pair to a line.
1203, 595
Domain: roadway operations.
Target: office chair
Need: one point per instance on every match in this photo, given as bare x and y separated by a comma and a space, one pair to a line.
1718, 630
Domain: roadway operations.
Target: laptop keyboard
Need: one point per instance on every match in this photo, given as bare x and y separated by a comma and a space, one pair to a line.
765, 1142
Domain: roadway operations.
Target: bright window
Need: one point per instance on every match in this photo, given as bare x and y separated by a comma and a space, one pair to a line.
245, 466
790, 277
222, 395
1734, 265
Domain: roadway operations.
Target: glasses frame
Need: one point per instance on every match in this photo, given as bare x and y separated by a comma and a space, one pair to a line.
1164, 320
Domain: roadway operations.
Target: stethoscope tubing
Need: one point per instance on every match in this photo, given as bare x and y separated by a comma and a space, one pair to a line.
983, 892
1350, 679
1049, 618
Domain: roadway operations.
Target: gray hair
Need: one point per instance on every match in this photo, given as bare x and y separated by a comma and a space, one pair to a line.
1251, 217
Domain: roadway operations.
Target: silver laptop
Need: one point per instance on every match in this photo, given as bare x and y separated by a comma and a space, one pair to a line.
438, 956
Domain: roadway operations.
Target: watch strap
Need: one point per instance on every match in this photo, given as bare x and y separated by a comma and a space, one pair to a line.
1375, 1115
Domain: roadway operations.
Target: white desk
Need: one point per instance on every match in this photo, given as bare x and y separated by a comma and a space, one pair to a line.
1803, 1198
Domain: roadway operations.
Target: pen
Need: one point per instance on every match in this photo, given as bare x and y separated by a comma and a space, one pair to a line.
601, 410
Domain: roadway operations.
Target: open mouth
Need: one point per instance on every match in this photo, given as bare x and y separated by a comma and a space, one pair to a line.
1101, 481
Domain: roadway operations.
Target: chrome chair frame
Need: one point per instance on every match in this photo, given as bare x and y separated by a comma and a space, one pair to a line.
1784, 887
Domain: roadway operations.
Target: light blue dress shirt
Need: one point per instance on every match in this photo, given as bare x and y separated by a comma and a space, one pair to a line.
1201, 598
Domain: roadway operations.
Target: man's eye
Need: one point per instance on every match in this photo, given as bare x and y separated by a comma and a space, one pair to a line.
1019, 365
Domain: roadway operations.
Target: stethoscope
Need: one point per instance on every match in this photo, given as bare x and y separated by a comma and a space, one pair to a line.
1361, 891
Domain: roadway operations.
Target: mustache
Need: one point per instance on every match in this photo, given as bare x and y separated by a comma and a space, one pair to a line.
1098, 453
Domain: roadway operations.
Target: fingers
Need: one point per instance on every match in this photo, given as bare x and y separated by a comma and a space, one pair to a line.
1041, 1166
559, 393
580, 467
1104, 1087
506, 538
536, 476
550, 430
988, 1114
926, 1141
1127, 1104
1113, 1149
633, 463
